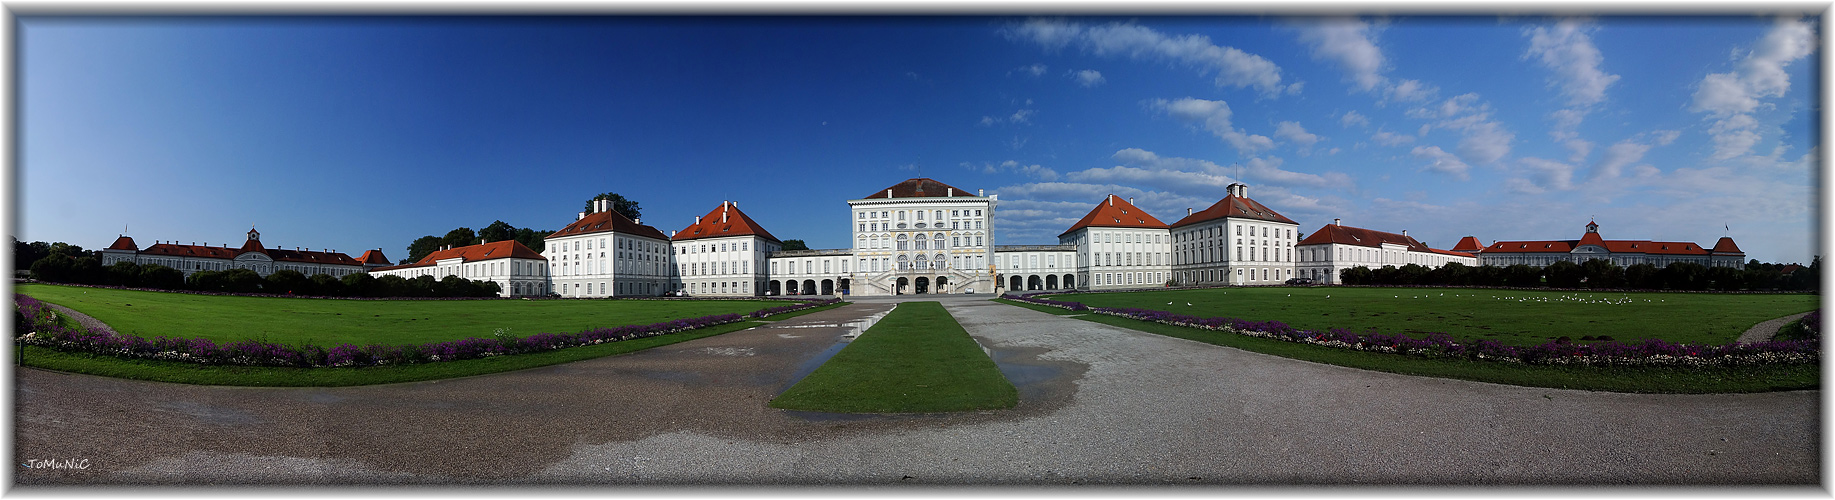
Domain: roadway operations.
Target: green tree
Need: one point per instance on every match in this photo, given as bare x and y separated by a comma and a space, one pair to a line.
627, 208
532, 238
422, 286
460, 237
205, 281
1643, 276
1601, 273
391, 286
55, 268
1522, 275
421, 248
1725, 278
795, 245
1684, 276
123, 273
325, 284
26, 254
288, 282
161, 277
497, 231
359, 285
87, 270
1359, 275
1564, 274
242, 281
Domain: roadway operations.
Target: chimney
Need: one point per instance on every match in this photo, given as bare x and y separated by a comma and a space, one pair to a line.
581, 216
1188, 211
1130, 200
1404, 233
1337, 222
1111, 200
671, 233
981, 192
952, 192
697, 219
888, 193
639, 221
723, 214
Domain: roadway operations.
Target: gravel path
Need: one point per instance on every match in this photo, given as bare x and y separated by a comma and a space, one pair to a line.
1098, 405
81, 319
1765, 331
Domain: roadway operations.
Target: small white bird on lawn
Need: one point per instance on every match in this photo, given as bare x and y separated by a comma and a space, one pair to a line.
1169, 303
1187, 304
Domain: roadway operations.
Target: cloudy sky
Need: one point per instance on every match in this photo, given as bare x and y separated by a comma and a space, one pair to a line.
358, 133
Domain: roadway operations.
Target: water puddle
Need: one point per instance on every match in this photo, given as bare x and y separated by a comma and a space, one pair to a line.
854, 329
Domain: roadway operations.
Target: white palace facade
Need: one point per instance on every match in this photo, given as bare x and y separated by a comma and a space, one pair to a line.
1336, 247
251, 255
922, 236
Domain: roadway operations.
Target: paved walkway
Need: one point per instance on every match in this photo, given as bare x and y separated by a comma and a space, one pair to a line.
1766, 330
1098, 405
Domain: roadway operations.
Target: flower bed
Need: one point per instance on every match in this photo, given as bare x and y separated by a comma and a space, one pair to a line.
49, 332
1645, 353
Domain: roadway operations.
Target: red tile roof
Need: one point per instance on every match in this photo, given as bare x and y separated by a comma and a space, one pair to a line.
922, 187
174, 250
724, 220
607, 221
1614, 246
1725, 245
1347, 235
506, 249
282, 255
1449, 252
123, 243
1468, 244
1116, 212
373, 257
1234, 206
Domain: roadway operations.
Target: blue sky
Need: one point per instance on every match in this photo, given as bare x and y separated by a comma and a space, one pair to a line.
358, 133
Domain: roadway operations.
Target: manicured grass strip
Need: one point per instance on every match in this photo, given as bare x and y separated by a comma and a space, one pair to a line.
1676, 380
915, 360
1044, 309
188, 373
329, 322
1512, 317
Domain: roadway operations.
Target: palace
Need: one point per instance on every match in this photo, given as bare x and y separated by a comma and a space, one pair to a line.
922, 236
1336, 247
251, 255
1624, 253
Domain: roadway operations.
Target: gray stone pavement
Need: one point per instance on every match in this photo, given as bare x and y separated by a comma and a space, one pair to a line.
1767, 329
1098, 405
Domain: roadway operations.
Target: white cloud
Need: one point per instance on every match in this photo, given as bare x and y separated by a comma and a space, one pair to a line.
987, 121
1216, 118
1296, 134
1484, 140
1353, 118
1175, 171
1549, 174
1729, 98
1088, 77
1035, 171
1441, 161
1233, 67
1412, 91
1567, 49
1034, 70
1388, 138
1347, 42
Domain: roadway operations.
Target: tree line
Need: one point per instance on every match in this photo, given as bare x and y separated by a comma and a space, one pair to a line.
64, 263
1595, 273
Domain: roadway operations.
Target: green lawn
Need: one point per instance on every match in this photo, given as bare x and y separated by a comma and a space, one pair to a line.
915, 360
1680, 380
1507, 316
328, 322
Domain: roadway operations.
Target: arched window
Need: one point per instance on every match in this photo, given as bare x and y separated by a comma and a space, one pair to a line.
939, 260
920, 243
902, 244
902, 262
